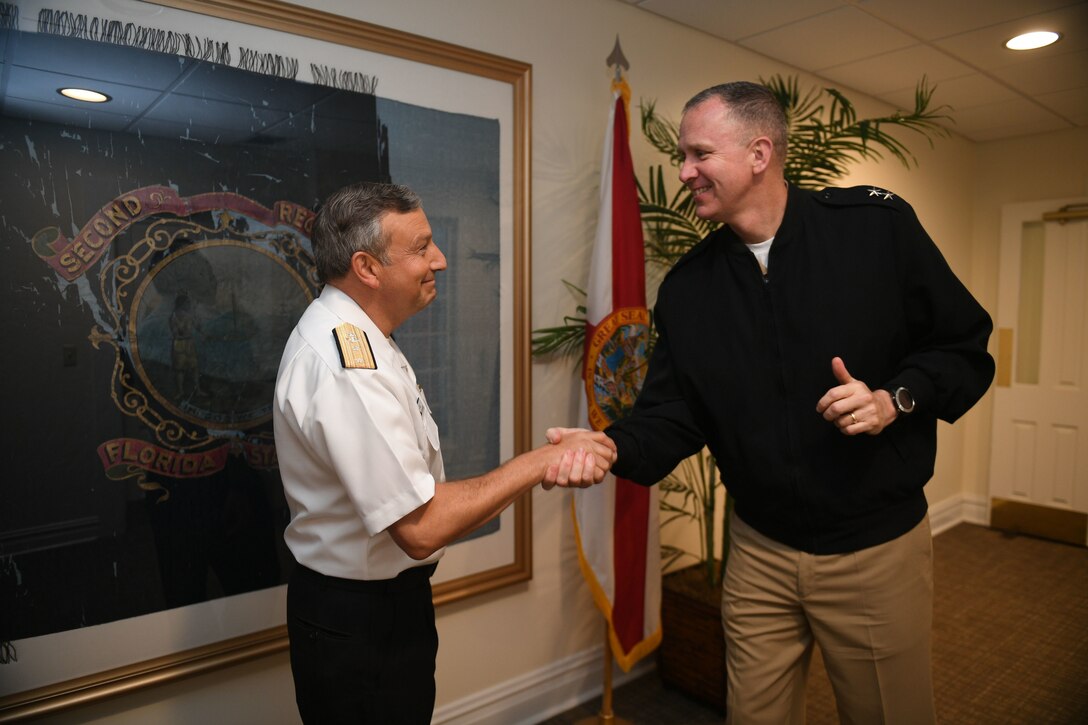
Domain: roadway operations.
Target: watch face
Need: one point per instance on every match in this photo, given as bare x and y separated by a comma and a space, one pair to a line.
904, 400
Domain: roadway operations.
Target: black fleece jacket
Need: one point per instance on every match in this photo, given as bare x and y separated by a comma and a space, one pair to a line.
742, 359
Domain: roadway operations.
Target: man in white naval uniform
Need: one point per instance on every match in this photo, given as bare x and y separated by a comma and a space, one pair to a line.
362, 470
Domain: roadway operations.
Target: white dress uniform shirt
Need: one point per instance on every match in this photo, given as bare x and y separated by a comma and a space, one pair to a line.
358, 449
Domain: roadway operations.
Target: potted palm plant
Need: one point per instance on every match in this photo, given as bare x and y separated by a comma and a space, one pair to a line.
825, 137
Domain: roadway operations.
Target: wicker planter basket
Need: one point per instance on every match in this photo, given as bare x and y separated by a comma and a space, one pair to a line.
691, 657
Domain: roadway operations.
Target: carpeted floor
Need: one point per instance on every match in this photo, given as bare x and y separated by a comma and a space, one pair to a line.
1010, 641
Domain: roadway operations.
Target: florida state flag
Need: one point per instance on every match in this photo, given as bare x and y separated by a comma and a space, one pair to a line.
615, 523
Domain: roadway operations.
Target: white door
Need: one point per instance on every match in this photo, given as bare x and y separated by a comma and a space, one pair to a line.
1040, 427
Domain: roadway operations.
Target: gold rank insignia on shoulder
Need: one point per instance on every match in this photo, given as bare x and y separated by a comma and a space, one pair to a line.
355, 352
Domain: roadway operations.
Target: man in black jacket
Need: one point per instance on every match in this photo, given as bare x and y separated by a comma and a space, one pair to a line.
812, 342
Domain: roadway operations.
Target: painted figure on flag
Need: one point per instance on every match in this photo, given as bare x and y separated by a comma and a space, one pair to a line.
616, 365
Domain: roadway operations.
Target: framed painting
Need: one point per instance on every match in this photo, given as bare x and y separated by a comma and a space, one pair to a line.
157, 255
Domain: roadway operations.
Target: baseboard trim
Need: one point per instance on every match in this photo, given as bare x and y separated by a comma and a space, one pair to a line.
537, 695
957, 510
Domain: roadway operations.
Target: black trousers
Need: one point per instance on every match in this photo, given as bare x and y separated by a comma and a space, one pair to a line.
362, 651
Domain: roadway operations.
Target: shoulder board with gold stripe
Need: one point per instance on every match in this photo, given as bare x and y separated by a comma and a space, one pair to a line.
354, 347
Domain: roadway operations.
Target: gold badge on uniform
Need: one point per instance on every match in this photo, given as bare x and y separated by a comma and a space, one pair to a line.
354, 347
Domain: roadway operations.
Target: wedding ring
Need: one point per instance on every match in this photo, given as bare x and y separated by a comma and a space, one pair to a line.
853, 418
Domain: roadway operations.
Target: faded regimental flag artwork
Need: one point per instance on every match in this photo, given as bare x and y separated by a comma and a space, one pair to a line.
155, 257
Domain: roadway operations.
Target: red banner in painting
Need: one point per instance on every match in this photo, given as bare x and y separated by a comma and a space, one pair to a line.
120, 456
129, 453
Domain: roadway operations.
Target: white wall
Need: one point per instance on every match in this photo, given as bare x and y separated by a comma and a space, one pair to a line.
525, 630
1033, 168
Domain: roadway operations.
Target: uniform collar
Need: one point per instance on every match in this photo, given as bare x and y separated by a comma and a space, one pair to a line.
792, 220
340, 304
787, 231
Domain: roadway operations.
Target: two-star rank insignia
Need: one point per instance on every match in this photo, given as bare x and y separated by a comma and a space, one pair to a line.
354, 347
854, 195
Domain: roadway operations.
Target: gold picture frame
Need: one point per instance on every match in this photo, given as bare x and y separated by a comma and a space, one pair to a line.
509, 78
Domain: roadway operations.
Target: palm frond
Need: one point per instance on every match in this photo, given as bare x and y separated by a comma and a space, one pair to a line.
671, 555
661, 132
564, 340
825, 139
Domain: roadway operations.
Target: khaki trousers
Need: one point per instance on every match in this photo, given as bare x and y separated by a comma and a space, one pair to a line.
871, 611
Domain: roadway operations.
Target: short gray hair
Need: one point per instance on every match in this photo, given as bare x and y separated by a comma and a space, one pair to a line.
754, 107
350, 221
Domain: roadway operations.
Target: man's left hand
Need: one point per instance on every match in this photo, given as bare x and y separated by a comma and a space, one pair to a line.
852, 407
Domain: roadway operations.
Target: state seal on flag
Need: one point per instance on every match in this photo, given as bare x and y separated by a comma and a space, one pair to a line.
616, 360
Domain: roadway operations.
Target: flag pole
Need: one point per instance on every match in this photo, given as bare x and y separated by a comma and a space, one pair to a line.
617, 309
605, 716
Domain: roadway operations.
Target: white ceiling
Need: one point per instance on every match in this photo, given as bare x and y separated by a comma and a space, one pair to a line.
883, 47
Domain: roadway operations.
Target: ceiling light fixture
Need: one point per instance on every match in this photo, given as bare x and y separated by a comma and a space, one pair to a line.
1031, 41
83, 94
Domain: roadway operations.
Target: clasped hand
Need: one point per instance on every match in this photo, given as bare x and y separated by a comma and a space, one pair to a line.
579, 458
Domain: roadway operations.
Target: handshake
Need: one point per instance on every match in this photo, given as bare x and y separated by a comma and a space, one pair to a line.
576, 457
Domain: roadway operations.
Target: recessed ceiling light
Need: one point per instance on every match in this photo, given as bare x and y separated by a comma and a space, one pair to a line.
1031, 41
82, 94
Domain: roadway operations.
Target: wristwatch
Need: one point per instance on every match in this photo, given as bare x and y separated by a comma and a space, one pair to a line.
902, 399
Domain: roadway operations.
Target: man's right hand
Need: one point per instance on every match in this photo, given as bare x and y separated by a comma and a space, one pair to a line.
587, 456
